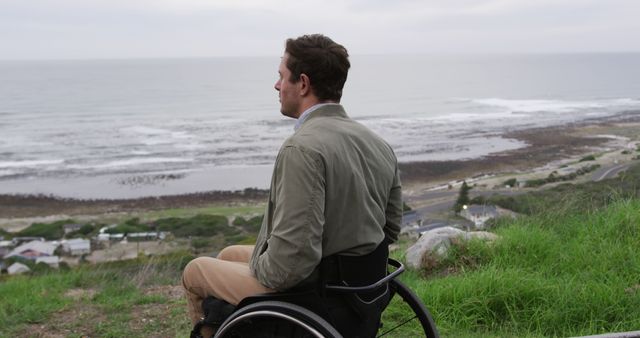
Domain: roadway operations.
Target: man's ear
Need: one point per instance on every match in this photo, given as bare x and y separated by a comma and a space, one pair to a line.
305, 85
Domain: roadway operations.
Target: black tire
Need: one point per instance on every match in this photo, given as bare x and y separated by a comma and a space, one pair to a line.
416, 305
275, 319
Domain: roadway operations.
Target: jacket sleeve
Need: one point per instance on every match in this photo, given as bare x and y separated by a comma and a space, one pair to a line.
393, 212
294, 246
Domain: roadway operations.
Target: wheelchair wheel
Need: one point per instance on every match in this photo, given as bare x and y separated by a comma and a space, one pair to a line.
269, 319
427, 325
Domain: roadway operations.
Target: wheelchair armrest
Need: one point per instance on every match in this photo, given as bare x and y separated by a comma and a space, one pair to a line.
352, 289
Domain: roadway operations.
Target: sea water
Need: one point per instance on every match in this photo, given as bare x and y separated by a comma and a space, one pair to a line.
131, 128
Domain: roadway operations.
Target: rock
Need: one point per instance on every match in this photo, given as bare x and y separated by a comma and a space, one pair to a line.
17, 268
438, 241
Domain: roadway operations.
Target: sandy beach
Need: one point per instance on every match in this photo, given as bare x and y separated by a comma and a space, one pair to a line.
546, 146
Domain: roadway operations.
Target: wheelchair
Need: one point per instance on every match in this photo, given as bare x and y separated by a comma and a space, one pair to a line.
304, 314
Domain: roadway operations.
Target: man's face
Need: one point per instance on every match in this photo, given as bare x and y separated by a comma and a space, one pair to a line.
288, 91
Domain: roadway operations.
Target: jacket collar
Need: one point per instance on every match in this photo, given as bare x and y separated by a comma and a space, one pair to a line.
330, 110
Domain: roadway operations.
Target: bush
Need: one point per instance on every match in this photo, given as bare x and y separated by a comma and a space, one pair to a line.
199, 225
588, 158
84, 231
554, 177
510, 182
251, 225
199, 243
49, 231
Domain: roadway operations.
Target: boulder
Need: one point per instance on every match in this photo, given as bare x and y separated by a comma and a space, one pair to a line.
438, 241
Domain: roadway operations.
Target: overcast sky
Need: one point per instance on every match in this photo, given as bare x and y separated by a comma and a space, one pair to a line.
77, 29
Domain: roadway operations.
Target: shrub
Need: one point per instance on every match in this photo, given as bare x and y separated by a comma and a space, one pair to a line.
588, 158
199, 242
84, 231
199, 225
253, 224
49, 231
510, 182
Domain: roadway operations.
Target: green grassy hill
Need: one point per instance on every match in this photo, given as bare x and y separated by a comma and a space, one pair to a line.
550, 275
570, 267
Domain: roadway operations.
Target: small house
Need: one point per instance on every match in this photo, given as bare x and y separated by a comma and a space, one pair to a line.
479, 214
33, 250
77, 246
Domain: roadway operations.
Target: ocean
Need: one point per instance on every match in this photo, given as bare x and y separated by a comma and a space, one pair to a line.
133, 128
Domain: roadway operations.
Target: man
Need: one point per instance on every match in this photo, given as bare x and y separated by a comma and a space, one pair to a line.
335, 187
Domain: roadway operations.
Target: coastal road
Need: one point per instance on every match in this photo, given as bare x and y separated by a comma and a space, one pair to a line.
610, 172
444, 200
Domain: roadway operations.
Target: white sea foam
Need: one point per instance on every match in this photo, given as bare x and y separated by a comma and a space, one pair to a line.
556, 106
145, 130
133, 162
8, 173
29, 164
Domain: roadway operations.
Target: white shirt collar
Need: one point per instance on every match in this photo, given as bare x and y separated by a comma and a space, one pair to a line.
306, 113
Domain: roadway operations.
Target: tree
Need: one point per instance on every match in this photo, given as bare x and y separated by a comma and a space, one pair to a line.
463, 197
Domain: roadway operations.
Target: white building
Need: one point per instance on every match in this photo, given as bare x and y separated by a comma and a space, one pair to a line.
479, 214
77, 246
33, 249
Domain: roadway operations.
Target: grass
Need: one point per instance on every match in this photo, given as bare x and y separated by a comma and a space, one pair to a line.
569, 269
548, 276
109, 300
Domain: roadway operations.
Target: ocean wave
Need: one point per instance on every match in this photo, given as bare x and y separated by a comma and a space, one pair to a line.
29, 163
4, 173
131, 162
556, 106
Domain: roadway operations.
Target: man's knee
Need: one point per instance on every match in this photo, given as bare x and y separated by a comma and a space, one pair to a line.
193, 271
236, 253
227, 253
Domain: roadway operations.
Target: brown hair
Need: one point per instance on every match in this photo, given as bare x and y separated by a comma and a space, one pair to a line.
325, 62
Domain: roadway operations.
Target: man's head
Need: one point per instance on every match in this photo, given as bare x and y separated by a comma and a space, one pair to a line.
313, 68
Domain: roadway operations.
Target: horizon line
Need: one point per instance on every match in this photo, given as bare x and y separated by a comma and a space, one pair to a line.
195, 57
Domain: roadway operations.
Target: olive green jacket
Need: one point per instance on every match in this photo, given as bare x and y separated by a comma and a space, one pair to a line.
335, 189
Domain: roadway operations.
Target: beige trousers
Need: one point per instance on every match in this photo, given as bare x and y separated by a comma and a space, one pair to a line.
226, 277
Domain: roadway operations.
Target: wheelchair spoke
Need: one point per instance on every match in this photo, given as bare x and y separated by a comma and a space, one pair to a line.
397, 326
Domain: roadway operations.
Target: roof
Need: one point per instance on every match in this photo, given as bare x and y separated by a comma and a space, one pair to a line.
44, 248
482, 209
79, 245
48, 259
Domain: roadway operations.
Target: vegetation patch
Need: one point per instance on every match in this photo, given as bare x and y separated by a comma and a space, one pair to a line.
554, 177
588, 158
570, 198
